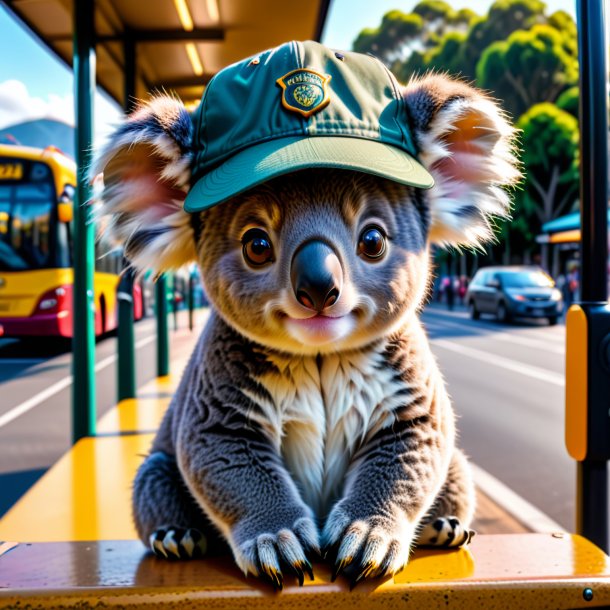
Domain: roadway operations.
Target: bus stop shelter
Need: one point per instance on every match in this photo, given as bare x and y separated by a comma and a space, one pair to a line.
132, 49
174, 45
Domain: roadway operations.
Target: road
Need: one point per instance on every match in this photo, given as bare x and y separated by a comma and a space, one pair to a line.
35, 386
507, 386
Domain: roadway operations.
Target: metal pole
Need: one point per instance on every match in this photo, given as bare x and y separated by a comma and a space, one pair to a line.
126, 370
162, 327
592, 479
174, 282
83, 342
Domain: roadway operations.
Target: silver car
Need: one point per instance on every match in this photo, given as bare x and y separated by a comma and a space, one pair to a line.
514, 292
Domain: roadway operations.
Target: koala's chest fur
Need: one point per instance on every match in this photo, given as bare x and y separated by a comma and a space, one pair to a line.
323, 409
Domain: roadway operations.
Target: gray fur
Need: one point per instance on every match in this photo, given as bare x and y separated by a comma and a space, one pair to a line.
290, 444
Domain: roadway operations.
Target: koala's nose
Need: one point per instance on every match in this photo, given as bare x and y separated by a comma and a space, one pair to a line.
316, 275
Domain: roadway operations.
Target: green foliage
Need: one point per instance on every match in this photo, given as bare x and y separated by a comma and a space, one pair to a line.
528, 68
464, 17
566, 26
400, 34
429, 10
446, 56
504, 18
390, 40
550, 158
569, 100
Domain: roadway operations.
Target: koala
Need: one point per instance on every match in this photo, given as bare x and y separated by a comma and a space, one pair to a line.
312, 420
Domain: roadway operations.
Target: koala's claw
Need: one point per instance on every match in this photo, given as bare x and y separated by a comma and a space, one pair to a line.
365, 548
446, 532
177, 543
263, 555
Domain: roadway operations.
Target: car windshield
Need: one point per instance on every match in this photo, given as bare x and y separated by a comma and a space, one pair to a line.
27, 199
526, 279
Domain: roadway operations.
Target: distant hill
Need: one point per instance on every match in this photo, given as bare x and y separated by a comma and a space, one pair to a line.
40, 133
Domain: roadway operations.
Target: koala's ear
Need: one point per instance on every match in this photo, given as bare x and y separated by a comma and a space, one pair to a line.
466, 143
146, 173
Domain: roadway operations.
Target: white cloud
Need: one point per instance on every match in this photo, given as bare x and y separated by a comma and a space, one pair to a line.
17, 105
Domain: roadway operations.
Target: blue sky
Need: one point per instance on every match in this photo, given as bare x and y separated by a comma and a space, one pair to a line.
34, 83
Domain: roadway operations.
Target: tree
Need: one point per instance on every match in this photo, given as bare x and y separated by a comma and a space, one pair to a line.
528, 68
504, 18
569, 100
447, 55
401, 35
550, 159
392, 39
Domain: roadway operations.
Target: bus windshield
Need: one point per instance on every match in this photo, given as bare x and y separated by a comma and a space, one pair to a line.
27, 215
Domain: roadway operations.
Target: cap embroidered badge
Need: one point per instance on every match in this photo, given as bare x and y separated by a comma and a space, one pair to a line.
304, 91
328, 110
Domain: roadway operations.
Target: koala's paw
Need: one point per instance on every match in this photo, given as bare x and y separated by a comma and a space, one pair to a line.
177, 543
446, 532
262, 555
365, 547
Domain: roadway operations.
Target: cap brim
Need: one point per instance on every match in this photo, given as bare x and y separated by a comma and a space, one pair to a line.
261, 162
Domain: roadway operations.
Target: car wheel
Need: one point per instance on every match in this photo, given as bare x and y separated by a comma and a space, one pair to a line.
475, 314
502, 313
552, 320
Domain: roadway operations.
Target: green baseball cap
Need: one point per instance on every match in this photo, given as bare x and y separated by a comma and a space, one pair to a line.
299, 106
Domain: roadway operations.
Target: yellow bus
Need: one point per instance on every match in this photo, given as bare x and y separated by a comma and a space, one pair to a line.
36, 275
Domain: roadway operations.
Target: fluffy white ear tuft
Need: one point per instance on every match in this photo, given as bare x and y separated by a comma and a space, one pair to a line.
467, 144
146, 173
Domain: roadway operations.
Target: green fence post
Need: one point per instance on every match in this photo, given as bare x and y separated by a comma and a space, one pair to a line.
83, 342
126, 383
162, 328
174, 285
126, 370
191, 299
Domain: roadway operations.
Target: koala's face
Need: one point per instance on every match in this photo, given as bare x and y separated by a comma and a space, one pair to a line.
317, 261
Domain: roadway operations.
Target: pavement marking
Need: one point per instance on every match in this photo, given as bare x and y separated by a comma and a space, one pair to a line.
501, 361
509, 338
555, 334
524, 512
60, 385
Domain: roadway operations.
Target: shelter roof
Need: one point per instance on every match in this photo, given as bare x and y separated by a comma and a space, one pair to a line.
179, 44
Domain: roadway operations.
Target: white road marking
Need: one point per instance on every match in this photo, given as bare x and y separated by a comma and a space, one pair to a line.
501, 361
524, 512
60, 385
555, 334
519, 340
504, 336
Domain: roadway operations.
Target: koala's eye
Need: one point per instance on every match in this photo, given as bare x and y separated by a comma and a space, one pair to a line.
257, 247
372, 242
